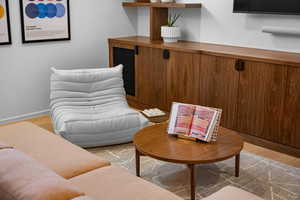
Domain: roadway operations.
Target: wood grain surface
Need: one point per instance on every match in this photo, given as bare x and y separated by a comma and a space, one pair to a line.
219, 87
155, 142
146, 3
158, 18
151, 70
252, 54
183, 77
261, 100
291, 122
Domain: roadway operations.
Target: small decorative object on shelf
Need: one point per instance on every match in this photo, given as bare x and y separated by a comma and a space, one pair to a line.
171, 33
167, 1
196, 122
155, 1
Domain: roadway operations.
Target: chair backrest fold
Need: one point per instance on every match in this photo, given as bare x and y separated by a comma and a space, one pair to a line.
87, 87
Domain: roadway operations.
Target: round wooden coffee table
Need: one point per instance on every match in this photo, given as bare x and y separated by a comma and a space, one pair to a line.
155, 142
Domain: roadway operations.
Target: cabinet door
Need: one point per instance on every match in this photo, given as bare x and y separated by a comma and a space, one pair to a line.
219, 86
151, 74
183, 78
291, 123
261, 100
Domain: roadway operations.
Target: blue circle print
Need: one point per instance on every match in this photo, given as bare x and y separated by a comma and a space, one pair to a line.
32, 10
61, 10
42, 10
51, 10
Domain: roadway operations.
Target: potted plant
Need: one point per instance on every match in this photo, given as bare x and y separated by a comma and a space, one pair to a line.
170, 32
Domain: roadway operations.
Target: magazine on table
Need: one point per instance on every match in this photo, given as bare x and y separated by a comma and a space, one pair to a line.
195, 121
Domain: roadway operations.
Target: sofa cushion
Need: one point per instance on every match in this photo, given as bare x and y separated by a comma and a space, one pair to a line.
51, 150
99, 125
230, 192
111, 183
82, 198
4, 146
22, 178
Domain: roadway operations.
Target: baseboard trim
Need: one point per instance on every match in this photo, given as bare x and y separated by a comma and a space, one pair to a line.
24, 117
272, 145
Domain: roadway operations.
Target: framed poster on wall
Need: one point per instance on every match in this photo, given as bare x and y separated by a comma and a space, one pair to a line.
5, 37
45, 20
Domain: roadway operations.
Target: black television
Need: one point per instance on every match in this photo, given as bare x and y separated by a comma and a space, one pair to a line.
284, 7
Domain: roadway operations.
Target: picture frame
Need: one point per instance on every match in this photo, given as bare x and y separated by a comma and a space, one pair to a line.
45, 21
5, 30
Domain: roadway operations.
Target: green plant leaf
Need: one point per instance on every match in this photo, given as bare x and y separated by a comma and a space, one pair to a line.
173, 18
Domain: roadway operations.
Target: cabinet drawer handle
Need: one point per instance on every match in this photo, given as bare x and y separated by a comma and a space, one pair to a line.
240, 65
136, 50
166, 54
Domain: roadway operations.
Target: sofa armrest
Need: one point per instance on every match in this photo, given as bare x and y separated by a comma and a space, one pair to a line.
83, 198
5, 146
22, 178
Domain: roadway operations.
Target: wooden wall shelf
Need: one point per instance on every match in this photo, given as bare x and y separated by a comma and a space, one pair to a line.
162, 5
159, 14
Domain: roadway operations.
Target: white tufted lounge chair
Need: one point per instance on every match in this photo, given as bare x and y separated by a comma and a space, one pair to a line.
89, 108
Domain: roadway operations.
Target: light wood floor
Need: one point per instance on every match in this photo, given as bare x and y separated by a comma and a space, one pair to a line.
45, 122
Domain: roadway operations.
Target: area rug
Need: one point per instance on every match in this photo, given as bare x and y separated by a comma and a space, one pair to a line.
266, 178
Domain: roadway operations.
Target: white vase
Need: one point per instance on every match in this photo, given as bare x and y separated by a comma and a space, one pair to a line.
167, 1
170, 34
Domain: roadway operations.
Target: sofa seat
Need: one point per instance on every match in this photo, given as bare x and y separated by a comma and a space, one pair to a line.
230, 193
51, 150
111, 183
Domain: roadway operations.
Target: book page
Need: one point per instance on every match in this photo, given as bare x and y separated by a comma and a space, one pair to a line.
173, 116
216, 129
202, 122
213, 133
184, 119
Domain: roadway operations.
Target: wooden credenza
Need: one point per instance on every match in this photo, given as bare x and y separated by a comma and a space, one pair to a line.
258, 90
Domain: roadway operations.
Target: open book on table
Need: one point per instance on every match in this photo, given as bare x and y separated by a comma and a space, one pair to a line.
195, 121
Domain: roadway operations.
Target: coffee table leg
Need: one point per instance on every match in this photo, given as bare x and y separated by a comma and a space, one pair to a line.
237, 165
193, 181
137, 162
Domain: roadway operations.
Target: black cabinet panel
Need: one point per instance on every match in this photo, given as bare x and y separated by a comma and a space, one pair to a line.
126, 57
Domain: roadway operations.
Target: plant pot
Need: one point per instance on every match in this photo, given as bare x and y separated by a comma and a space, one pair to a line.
170, 34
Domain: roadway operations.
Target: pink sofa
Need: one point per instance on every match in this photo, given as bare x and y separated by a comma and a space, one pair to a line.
79, 174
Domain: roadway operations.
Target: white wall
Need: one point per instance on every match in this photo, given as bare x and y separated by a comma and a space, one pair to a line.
215, 23
25, 68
